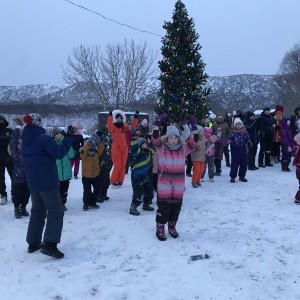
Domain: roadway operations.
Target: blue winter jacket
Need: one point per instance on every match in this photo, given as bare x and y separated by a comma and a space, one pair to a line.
40, 152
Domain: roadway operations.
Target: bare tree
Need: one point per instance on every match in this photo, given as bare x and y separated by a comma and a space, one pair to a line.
116, 77
288, 79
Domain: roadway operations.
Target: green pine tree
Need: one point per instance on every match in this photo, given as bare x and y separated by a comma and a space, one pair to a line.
182, 92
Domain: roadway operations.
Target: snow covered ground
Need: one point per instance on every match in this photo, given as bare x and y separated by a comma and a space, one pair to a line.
250, 230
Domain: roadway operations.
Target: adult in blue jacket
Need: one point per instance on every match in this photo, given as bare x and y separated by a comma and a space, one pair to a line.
40, 152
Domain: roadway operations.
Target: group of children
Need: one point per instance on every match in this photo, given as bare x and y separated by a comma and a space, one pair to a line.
156, 166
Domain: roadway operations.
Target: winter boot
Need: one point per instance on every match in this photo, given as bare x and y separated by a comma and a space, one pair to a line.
147, 207
34, 247
160, 232
75, 176
243, 179
285, 167
50, 249
24, 212
3, 200
268, 160
18, 213
194, 185
198, 183
133, 211
85, 206
172, 229
272, 160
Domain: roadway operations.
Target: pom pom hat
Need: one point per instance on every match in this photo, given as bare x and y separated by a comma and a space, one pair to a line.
237, 120
33, 119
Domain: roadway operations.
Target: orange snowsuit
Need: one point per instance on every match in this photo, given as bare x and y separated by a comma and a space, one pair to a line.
119, 149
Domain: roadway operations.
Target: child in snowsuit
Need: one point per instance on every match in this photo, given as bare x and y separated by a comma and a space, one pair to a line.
198, 157
89, 155
172, 152
140, 180
287, 143
209, 154
238, 139
296, 163
105, 164
63, 167
20, 190
116, 123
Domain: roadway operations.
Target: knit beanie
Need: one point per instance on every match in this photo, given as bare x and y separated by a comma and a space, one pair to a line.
266, 108
33, 119
172, 131
144, 122
199, 128
56, 130
141, 141
237, 120
279, 108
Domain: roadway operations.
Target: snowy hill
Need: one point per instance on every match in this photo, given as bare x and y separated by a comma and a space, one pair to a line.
250, 230
229, 92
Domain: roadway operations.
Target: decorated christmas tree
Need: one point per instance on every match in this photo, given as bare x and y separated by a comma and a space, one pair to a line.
182, 92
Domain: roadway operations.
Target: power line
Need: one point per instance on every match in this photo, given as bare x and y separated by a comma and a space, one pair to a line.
94, 12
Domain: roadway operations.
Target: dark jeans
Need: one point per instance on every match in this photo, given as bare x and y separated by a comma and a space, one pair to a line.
90, 197
167, 211
141, 192
20, 193
46, 205
8, 164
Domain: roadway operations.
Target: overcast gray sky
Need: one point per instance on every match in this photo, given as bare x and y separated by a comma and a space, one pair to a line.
237, 36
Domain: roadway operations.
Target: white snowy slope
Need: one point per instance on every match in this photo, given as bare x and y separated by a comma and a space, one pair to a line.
250, 230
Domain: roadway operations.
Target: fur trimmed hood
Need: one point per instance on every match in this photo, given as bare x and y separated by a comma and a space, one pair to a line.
118, 112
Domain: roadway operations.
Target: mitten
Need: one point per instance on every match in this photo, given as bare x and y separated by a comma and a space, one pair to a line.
290, 149
160, 119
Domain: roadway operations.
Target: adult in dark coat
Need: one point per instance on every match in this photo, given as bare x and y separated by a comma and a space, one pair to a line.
295, 120
250, 124
40, 152
266, 131
228, 120
5, 159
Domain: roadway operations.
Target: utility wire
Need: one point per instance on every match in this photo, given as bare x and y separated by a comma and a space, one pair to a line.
94, 12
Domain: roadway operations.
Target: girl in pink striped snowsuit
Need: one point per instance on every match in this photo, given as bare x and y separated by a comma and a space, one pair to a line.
172, 152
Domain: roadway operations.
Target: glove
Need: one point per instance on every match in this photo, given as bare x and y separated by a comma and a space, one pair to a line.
290, 149
160, 119
70, 131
